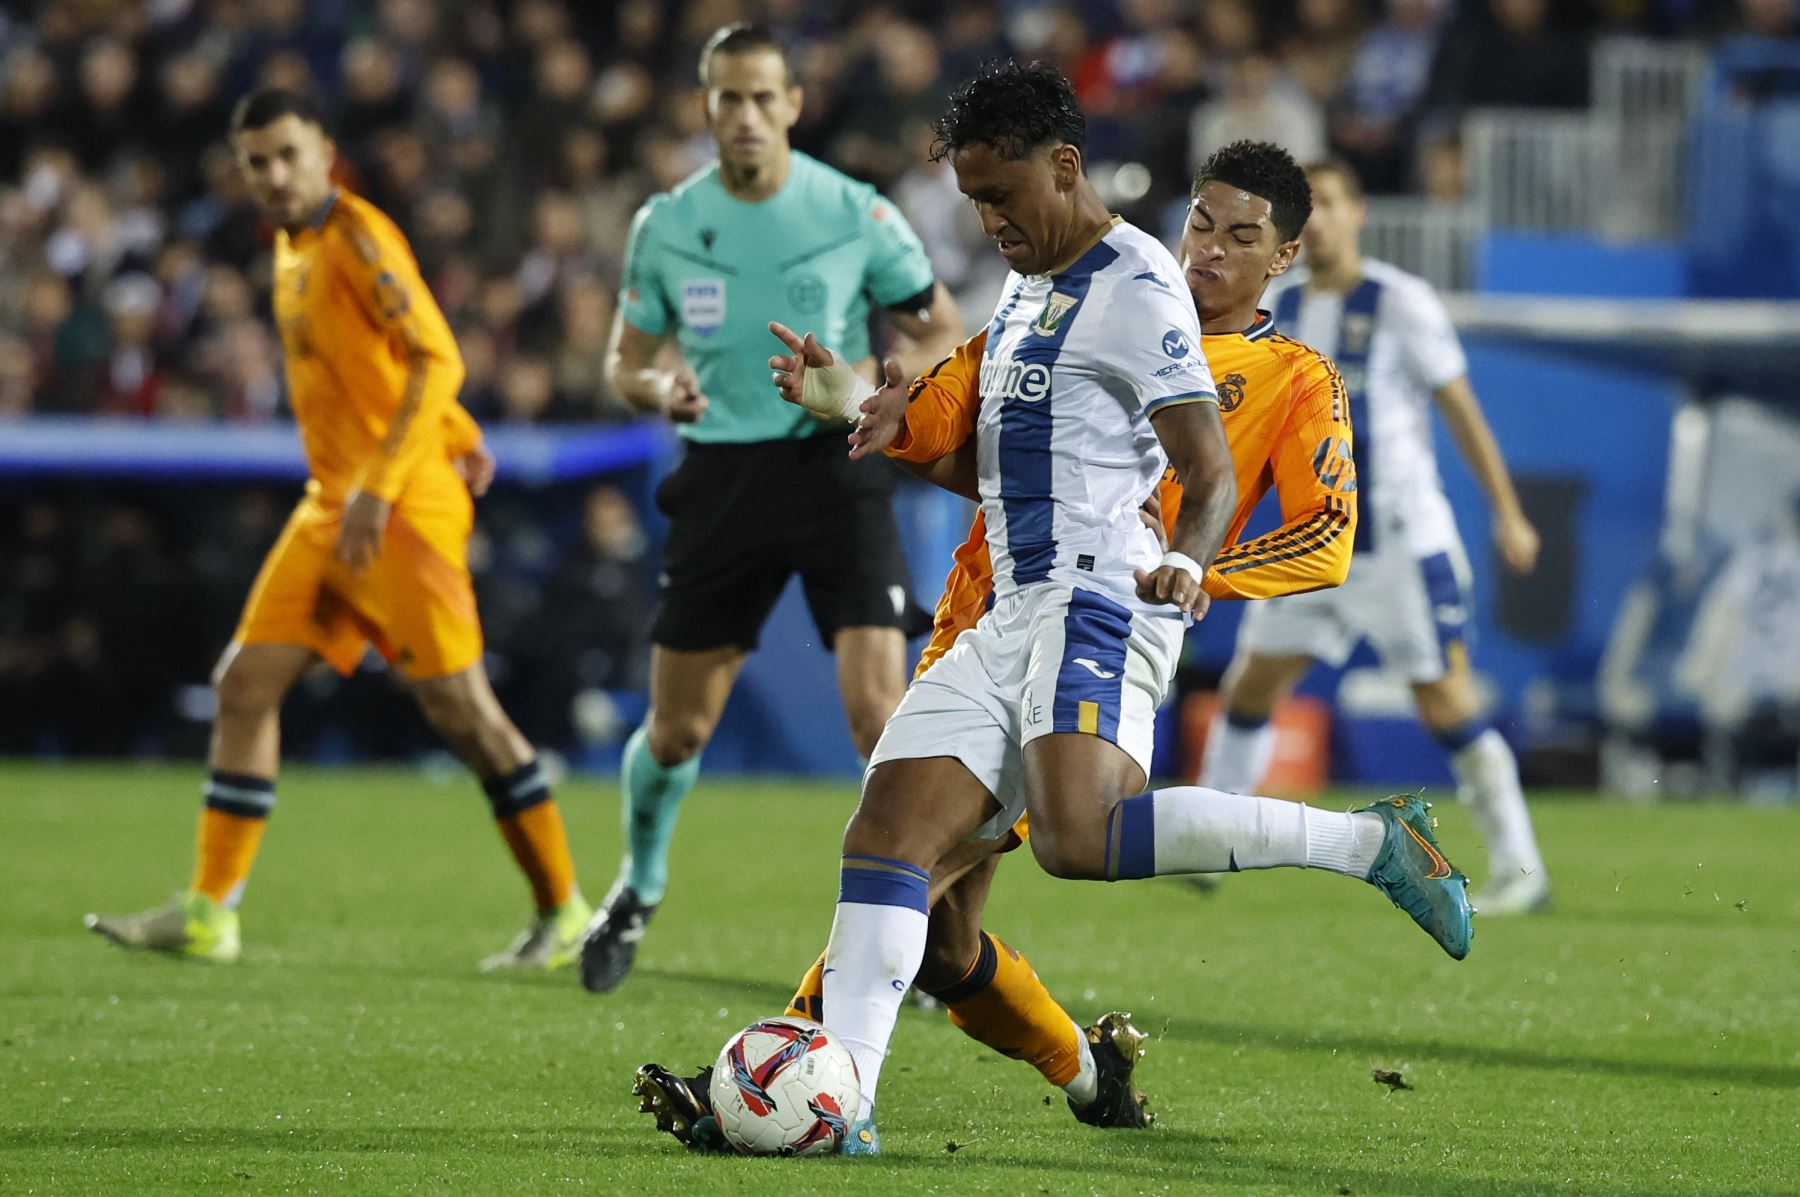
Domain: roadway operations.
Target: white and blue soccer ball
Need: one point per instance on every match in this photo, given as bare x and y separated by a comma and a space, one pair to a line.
785, 1086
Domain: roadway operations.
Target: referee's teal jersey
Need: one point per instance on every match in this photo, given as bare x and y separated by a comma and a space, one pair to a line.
714, 270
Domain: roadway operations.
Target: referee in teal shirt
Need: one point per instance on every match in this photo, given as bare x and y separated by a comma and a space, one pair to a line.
764, 490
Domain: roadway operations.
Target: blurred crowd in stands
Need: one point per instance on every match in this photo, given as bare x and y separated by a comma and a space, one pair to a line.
512, 140
118, 599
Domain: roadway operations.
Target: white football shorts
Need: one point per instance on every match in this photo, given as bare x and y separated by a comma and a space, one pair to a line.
1414, 611
1044, 659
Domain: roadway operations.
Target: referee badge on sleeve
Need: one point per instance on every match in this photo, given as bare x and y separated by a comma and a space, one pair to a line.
703, 305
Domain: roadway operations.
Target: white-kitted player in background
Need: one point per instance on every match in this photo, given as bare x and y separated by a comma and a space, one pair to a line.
1408, 590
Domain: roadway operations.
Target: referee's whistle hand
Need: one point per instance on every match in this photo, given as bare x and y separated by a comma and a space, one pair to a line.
683, 400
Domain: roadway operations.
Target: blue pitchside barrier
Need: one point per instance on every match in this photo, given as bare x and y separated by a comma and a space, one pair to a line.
101, 447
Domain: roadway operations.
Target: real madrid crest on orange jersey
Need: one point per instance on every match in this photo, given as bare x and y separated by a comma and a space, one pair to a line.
1231, 391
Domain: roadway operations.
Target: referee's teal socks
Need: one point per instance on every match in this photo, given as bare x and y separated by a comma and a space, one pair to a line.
653, 796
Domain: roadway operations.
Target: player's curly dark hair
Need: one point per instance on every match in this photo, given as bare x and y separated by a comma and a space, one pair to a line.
1264, 169
1013, 108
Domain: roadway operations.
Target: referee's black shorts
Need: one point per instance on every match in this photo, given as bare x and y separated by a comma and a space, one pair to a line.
743, 518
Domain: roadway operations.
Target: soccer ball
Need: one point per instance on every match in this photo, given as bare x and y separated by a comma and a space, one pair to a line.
785, 1086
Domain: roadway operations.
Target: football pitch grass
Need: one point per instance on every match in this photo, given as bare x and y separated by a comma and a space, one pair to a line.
1642, 1039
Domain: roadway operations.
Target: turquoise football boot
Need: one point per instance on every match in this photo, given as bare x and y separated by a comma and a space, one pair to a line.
862, 1139
1411, 871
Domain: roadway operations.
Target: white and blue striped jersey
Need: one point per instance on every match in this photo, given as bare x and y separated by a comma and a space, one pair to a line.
1394, 345
1075, 365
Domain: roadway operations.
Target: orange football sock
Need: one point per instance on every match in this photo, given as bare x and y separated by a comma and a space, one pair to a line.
533, 829
231, 829
541, 847
809, 1000
1001, 1003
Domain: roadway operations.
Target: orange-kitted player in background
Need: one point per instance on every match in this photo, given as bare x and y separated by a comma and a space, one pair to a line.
376, 552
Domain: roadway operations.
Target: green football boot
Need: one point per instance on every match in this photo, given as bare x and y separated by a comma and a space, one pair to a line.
191, 925
552, 941
1411, 871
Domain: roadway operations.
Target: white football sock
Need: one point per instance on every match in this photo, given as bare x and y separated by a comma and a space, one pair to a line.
1487, 774
877, 942
1192, 829
1237, 755
1086, 1085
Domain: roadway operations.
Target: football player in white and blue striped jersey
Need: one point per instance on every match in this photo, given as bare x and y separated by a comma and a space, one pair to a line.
1092, 383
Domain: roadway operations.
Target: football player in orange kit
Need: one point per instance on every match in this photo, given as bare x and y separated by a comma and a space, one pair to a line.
1287, 421
375, 553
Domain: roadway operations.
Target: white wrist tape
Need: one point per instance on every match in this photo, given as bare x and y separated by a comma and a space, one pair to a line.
835, 392
1185, 563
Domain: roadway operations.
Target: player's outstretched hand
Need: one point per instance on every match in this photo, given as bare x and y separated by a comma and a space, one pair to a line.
477, 469
1174, 586
1517, 541
365, 521
790, 367
682, 399
882, 414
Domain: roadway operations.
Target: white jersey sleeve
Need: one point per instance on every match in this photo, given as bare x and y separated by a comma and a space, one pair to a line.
1149, 343
1429, 348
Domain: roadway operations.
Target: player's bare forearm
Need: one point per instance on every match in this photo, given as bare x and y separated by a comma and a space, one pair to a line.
1516, 539
1475, 441
955, 472
1193, 436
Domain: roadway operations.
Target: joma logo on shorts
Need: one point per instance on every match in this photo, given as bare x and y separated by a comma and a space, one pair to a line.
1005, 379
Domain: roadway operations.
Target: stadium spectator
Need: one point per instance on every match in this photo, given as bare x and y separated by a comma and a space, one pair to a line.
1507, 53
1318, 51
1259, 103
1765, 19
1387, 77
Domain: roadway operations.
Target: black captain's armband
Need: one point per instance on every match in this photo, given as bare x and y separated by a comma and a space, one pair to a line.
916, 305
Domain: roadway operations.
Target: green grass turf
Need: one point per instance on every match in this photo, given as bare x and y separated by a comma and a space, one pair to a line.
1645, 1038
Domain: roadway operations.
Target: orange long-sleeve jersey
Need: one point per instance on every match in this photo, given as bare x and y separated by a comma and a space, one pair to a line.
1288, 423
372, 367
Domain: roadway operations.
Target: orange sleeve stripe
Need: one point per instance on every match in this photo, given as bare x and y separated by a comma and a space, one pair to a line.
1315, 535
1277, 536
1282, 539
1323, 530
